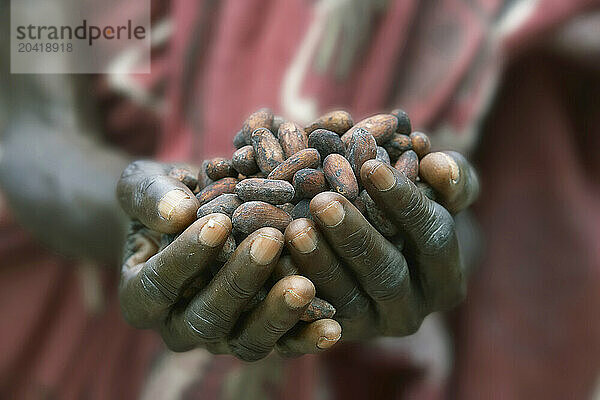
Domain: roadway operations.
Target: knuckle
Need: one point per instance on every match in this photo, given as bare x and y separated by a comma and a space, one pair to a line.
438, 233
353, 306
156, 286
357, 244
389, 279
234, 289
206, 323
249, 351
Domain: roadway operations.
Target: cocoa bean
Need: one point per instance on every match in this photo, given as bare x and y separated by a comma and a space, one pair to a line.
224, 204
262, 118
268, 190
398, 145
301, 210
287, 207
362, 147
383, 156
420, 143
408, 163
278, 120
340, 176
292, 138
215, 189
267, 150
309, 182
185, 175
307, 158
244, 162
254, 215
377, 217
203, 179
239, 140
404, 125
317, 309
326, 142
219, 168
335, 121
381, 126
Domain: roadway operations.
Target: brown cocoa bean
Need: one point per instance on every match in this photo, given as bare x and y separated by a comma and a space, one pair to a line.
224, 204
292, 138
362, 147
203, 179
219, 168
239, 140
268, 190
317, 309
377, 217
335, 121
287, 207
267, 150
309, 182
420, 144
340, 176
408, 163
301, 210
307, 158
398, 145
404, 125
262, 118
326, 142
383, 156
278, 120
244, 162
215, 189
185, 175
381, 126
254, 215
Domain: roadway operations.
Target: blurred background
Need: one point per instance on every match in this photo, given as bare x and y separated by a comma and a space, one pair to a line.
513, 84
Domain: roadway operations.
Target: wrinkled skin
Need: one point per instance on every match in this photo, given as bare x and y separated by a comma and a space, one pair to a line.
215, 316
377, 289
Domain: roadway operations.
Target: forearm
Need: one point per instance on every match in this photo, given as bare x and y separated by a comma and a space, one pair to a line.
60, 186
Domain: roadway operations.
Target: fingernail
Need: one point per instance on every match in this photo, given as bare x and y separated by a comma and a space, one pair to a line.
332, 214
306, 241
169, 202
453, 169
213, 233
324, 342
264, 249
382, 177
294, 299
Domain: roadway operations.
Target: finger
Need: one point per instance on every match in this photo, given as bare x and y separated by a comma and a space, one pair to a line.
277, 314
212, 313
311, 338
147, 193
148, 290
428, 228
318, 262
452, 177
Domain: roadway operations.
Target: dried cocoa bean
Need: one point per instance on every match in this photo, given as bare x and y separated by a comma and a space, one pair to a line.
408, 163
398, 145
340, 176
326, 142
185, 175
239, 140
381, 126
383, 156
268, 190
287, 207
362, 147
203, 179
307, 158
301, 210
224, 204
227, 250
278, 120
262, 118
267, 150
404, 125
420, 143
254, 215
219, 168
214, 190
335, 121
292, 138
317, 309
309, 182
244, 162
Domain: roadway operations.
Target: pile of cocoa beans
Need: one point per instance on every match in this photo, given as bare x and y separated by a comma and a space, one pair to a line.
279, 167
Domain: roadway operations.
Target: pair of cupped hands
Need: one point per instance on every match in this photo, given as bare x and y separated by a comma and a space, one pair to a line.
377, 287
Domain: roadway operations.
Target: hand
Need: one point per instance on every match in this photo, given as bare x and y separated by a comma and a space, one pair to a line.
215, 315
376, 288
